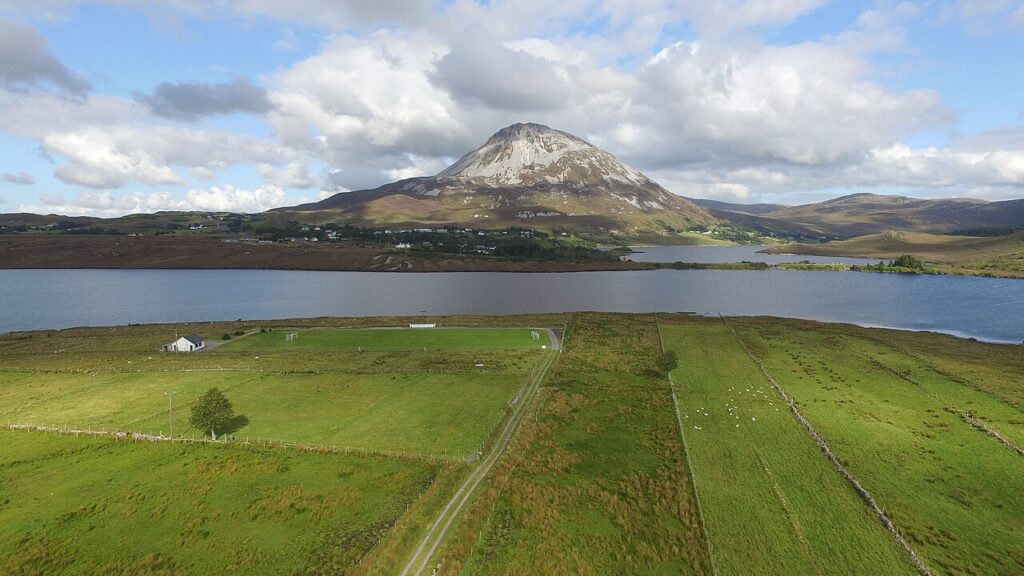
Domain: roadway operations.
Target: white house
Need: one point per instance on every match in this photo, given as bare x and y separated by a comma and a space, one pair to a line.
189, 343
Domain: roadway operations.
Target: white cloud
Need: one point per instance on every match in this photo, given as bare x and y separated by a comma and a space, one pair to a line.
717, 17
727, 115
294, 175
111, 157
97, 162
232, 199
418, 166
106, 204
366, 104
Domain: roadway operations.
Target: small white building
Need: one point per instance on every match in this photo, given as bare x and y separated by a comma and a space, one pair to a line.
189, 343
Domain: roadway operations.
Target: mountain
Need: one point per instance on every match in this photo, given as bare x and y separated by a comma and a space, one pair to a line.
754, 209
524, 175
860, 214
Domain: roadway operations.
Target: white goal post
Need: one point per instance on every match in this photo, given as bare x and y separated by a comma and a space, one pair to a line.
291, 337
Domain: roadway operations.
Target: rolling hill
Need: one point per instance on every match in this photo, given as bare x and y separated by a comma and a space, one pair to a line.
861, 214
995, 255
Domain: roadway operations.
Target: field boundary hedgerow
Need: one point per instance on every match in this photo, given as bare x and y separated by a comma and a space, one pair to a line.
840, 467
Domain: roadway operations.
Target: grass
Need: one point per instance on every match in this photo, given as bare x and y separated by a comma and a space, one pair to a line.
398, 412
596, 482
893, 418
392, 339
771, 502
995, 256
97, 506
314, 390
295, 512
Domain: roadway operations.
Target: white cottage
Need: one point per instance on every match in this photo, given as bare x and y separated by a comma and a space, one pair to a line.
189, 343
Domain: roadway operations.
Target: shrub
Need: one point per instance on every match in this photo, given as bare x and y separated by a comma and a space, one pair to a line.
667, 361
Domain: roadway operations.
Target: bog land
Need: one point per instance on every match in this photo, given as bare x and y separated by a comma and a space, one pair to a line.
654, 444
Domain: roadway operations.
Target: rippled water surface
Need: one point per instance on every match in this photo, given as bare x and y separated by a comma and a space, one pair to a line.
985, 308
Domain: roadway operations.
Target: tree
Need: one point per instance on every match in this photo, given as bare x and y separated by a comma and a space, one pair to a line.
908, 261
668, 361
212, 411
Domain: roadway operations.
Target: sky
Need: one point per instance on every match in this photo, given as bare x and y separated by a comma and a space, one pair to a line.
123, 106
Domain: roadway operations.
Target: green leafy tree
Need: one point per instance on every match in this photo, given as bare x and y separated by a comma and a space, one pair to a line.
908, 261
668, 361
212, 411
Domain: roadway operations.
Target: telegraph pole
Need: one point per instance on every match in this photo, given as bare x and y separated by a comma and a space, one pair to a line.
170, 411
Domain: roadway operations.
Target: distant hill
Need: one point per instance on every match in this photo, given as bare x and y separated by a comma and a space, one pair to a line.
525, 175
1003, 254
720, 206
860, 214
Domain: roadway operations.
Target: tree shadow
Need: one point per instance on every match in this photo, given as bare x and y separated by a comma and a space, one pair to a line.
234, 425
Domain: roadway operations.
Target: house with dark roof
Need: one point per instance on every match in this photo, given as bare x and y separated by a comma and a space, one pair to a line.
189, 343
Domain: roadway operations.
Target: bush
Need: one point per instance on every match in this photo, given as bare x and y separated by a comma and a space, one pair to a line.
239, 332
226, 336
908, 261
667, 361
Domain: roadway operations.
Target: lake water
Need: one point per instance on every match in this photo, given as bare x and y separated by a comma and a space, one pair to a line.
713, 254
984, 308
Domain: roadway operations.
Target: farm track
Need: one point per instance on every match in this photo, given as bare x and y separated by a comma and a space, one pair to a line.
420, 559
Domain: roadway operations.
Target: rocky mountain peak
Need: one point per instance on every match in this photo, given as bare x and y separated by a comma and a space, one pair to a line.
528, 154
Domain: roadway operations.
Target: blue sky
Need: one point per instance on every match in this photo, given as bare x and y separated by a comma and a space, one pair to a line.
123, 106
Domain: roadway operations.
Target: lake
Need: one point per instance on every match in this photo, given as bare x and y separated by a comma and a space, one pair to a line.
713, 254
984, 308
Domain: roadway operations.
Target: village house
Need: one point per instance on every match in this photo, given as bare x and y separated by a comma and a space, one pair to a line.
189, 343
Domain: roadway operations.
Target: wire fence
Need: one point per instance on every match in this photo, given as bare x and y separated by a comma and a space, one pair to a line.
267, 443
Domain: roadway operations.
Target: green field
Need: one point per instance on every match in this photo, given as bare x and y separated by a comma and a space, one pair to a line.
597, 483
383, 399
893, 417
769, 498
397, 412
393, 339
603, 477
97, 506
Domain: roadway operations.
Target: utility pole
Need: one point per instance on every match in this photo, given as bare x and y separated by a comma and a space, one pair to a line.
170, 411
